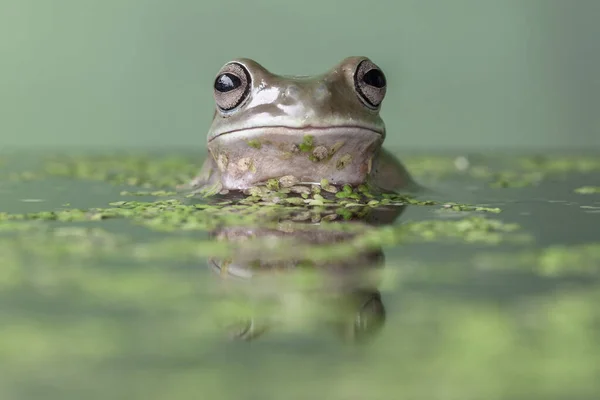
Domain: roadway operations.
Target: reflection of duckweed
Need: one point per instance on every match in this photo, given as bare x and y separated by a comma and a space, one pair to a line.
470, 230
77, 244
558, 259
551, 352
174, 216
588, 190
16, 226
540, 349
550, 261
547, 345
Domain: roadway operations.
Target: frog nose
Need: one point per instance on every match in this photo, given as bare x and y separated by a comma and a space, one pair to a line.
291, 92
321, 93
318, 94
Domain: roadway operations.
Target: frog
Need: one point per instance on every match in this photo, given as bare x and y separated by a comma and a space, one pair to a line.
307, 128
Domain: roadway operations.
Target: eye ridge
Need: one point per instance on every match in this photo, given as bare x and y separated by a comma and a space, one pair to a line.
374, 77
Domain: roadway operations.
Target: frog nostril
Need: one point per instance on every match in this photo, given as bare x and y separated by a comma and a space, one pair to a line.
292, 91
321, 93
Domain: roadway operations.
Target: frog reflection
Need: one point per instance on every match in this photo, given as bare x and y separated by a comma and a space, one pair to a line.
280, 281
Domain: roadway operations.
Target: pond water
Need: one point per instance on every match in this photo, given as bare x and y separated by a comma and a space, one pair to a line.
110, 289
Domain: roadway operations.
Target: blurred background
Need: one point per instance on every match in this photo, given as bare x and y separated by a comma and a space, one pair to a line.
477, 74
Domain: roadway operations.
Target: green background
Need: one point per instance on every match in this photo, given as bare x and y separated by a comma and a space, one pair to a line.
479, 73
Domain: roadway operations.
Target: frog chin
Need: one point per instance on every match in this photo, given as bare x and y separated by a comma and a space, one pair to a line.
340, 154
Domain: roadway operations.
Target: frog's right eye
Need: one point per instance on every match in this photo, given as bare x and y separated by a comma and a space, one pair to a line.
370, 84
231, 86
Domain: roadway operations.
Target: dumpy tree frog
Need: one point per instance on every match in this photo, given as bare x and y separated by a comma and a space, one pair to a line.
311, 128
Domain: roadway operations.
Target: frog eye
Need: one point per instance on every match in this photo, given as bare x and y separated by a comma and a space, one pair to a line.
231, 86
370, 317
370, 84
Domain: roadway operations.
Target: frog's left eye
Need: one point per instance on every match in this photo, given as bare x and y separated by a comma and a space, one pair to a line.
370, 84
231, 87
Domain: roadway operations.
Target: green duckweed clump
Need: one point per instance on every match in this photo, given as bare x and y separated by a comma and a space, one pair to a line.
502, 171
307, 144
152, 171
255, 143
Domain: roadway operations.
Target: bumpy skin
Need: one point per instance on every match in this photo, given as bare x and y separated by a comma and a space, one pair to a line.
312, 128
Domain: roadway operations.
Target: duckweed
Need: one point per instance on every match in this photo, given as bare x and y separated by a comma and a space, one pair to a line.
522, 171
255, 143
282, 198
164, 171
307, 145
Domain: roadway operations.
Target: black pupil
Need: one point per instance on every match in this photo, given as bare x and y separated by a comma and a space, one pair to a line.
227, 82
374, 77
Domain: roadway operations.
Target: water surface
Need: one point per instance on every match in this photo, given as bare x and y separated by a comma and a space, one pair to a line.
126, 308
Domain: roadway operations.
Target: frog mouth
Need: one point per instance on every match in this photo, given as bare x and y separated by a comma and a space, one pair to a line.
301, 130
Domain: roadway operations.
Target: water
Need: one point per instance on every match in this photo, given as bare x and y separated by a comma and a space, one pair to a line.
126, 310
